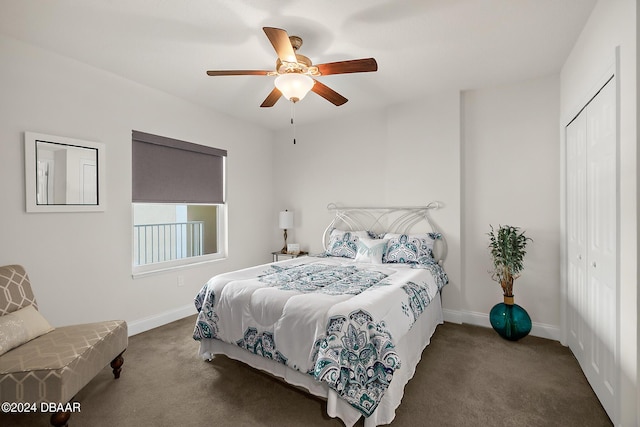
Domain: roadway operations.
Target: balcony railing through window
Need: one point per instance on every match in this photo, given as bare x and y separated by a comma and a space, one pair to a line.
169, 241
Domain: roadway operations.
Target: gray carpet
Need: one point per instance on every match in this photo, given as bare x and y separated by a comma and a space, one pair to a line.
468, 376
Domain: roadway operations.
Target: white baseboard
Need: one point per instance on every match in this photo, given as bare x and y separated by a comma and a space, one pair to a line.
148, 323
541, 330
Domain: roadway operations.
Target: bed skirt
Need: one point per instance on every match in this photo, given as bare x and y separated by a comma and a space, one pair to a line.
409, 348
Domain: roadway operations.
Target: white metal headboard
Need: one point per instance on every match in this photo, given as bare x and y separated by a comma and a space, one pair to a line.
391, 219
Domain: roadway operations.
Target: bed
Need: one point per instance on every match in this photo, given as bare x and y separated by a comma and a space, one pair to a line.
349, 324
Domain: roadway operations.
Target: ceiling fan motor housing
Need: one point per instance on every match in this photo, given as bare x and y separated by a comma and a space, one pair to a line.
303, 66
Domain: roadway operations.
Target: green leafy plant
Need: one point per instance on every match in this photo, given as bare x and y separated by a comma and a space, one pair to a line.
507, 245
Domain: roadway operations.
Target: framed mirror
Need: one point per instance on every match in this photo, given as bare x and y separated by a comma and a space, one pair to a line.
63, 174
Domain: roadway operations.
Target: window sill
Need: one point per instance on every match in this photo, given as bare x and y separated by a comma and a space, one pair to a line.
165, 267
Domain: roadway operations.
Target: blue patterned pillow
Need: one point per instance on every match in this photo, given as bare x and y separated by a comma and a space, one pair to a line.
371, 250
344, 243
409, 248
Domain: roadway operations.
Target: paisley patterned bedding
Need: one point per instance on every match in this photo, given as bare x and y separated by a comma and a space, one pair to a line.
330, 318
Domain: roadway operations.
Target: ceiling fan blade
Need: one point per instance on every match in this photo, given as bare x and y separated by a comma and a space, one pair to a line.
238, 73
329, 94
272, 98
353, 66
281, 43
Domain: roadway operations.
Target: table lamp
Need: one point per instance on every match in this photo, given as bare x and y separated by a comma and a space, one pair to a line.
285, 222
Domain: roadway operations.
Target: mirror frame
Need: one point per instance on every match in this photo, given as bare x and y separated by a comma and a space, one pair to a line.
30, 164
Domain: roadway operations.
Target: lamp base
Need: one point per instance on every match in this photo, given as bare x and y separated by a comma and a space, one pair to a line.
284, 248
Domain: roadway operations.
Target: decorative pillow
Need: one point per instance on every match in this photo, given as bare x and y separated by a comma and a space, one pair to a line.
409, 248
344, 243
371, 250
20, 327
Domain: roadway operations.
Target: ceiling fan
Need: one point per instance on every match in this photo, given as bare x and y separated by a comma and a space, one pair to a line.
295, 73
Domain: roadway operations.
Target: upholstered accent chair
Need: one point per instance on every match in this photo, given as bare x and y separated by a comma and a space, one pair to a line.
55, 365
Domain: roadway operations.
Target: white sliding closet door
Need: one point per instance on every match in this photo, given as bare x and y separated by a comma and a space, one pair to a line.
592, 208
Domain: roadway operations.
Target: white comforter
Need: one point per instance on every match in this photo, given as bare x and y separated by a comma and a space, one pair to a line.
328, 317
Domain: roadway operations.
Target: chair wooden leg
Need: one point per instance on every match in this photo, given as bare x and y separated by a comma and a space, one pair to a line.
60, 418
116, 365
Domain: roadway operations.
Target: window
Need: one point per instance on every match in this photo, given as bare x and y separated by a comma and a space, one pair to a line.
178, 199
166, 232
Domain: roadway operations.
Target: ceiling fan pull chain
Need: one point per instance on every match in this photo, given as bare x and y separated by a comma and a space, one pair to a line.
293, 124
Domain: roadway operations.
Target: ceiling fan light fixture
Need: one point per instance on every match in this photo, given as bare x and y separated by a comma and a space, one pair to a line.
294, 86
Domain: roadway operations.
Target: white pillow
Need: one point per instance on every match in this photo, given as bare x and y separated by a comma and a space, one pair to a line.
20, 327
371, 250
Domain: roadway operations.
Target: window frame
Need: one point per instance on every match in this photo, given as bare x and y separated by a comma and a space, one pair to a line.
159, 267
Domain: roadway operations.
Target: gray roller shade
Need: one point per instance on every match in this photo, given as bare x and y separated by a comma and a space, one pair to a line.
167, 170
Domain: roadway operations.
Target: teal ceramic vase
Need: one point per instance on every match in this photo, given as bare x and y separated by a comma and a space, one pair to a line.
510, 320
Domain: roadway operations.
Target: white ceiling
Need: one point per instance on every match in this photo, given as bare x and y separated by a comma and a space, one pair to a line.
421, 46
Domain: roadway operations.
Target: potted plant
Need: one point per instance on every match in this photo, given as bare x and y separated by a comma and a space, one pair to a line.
508, 245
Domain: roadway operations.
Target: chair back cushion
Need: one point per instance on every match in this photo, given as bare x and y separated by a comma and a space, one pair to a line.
15, 289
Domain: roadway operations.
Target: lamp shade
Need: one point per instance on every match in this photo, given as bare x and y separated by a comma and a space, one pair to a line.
286, 220
294, 86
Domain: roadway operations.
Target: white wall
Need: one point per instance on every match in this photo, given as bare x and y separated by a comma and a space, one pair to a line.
80, 263
613, 24
338, 161
511, 177
440, 148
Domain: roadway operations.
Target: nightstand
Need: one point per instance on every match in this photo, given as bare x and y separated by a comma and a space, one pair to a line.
279, 256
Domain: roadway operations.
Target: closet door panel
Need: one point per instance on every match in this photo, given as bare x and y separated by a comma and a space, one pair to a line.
576, 233
602, 240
